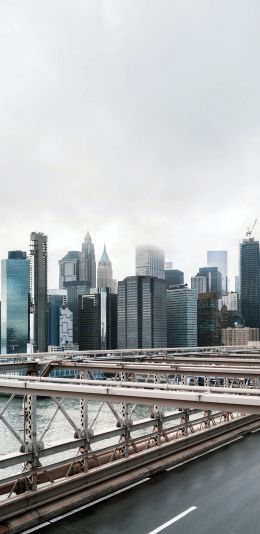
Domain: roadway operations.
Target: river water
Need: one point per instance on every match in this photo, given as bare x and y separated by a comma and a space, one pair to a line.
60, 429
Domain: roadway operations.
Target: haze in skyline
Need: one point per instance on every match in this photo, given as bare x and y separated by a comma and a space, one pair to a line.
138, 121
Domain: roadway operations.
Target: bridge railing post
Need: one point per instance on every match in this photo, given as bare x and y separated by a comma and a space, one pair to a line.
157, 414
30, 438
126, 423
84, 431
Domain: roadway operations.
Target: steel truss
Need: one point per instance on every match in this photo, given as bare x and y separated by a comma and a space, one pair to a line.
228, 393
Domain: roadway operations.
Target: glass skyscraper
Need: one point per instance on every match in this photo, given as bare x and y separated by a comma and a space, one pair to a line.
98, 320
149, 261
174, 277
209, 333
142, 320
15, 303
69, 267
219, 259
249, 282
214, 279
182, 317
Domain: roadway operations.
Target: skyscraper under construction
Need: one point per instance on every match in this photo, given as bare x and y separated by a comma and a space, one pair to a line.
249, 281
39, 301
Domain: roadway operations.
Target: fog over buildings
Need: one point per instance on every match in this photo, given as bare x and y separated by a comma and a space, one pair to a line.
139, 121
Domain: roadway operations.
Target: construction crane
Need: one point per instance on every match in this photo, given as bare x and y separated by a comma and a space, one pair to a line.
249, 232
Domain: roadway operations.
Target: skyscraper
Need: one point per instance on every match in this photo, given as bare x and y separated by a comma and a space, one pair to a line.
15, 303
209, 333
87, 266
249, 282
199, 282
66, 327
237, 284
104, 271
142, 319
98, 320
56, 299
69, 267
39, 267
219, 259
173, 277
149, 261
182, 317
214, 279
74, 290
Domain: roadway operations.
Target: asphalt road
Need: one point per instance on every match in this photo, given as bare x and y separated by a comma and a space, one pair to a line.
217, 494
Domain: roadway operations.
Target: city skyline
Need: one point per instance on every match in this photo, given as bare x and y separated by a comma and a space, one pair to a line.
126, 134
53, 260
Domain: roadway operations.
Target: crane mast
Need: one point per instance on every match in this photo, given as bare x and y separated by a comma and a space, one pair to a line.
249, 232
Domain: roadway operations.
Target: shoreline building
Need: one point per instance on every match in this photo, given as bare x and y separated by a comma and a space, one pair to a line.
238, 336
182, 317
39, 299
142, 313
15, 315
150, 261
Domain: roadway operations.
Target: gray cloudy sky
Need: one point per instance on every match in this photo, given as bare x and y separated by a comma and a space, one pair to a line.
138, 120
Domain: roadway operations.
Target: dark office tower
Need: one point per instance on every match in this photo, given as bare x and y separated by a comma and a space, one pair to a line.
15, 303
74, 290
214, 279
98, 320
209, 332
142, 313
182, 317
39, 267
174, 278
69, 267
87, 266
249, 282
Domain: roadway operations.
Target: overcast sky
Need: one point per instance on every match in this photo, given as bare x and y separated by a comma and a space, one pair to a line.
138, 120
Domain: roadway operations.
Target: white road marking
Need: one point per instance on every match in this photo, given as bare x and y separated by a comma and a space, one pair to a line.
173, 520
98, 500
47, 524
203, 453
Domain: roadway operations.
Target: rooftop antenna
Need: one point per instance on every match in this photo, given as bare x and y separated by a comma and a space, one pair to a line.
249, 232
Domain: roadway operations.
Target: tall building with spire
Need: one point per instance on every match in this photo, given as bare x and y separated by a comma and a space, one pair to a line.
104, 271
87, 264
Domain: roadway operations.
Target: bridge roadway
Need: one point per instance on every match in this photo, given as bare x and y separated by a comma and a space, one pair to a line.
219, 493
